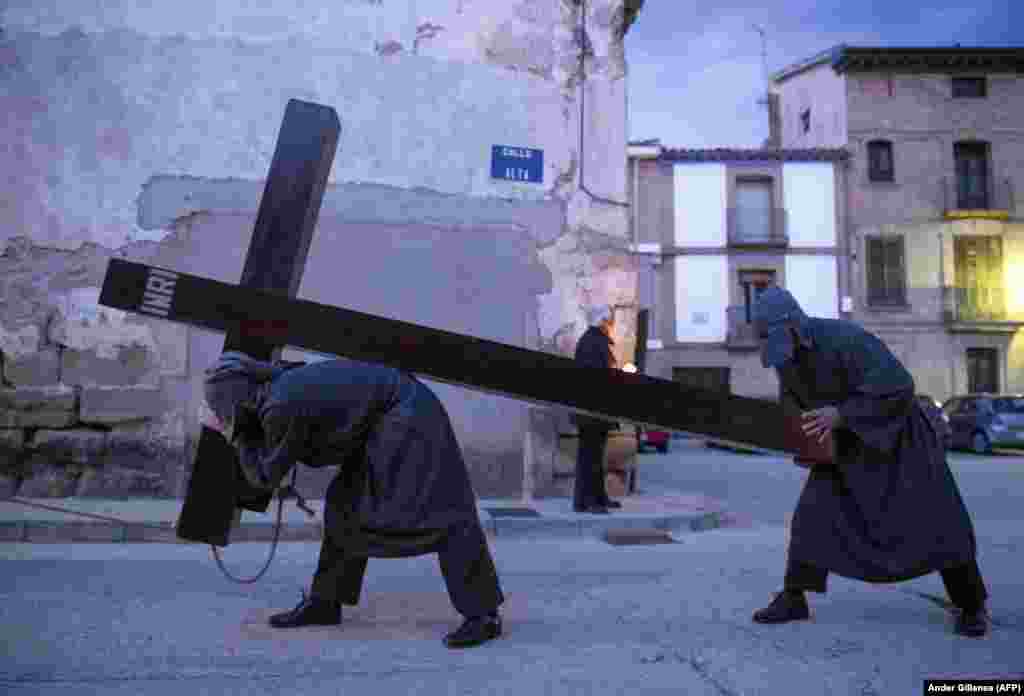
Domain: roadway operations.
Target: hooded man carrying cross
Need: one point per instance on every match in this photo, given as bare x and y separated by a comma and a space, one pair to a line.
888, 509
402, 488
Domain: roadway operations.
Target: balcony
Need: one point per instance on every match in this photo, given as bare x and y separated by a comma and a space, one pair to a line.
994, 200
979, 309
739, 335
757, 228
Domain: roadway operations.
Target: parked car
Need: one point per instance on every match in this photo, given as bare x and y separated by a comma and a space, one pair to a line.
658, 439
934, 410
980, 421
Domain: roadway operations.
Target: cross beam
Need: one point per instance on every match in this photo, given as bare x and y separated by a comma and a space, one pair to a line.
274, 263
453, 358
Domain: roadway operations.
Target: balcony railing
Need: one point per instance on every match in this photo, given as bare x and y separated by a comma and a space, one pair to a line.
739, 333
977, 305
753, 227
994, 200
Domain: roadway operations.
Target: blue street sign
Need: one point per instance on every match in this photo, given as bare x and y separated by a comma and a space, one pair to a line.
517, 164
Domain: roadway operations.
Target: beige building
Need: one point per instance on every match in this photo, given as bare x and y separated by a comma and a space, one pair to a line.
936, 143
712, 228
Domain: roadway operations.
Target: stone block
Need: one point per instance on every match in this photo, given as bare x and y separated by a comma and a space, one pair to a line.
49, 482
132, 365
41, 368
38, 407
43, 398
37, 419
134, 447
109, 405
78, 446
119, 483
12, 443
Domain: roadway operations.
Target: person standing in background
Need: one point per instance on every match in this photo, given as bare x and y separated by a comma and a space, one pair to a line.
594, 349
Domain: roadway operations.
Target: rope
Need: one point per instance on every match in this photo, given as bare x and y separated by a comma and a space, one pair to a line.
283, 494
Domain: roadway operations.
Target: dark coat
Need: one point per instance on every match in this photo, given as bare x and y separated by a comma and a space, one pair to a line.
890, 509
594, 349
402, 481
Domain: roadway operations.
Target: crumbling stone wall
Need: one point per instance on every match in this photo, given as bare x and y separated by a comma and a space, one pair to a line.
99, 441
108, 102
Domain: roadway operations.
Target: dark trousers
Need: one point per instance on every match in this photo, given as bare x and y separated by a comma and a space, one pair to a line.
589, 487
466, 565
964, 583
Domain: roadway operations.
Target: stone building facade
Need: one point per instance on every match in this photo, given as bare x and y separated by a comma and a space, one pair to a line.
140, 131
712, 228
936, 188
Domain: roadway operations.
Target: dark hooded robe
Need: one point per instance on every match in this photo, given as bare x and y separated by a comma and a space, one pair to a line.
890, 509
402, 483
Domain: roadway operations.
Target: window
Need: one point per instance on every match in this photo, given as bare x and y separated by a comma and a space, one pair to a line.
972, 175
753, 283
982, 370
969, 88
805, 120
978, 265
754, 206
880, 165
886, 277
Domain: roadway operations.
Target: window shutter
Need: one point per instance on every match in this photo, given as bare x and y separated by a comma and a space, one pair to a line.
897, 286
875, 269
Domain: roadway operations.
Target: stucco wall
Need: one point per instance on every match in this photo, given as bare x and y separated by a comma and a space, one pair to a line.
702, 294
700, 204
145, 131
813, 282
809, 190
822, 91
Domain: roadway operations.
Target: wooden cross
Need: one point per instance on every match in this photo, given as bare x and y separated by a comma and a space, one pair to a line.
274, 263
265, 300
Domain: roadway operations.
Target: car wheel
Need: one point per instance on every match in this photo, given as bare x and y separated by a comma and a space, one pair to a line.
980, 444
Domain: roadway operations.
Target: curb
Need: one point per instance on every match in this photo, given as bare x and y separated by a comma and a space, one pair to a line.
542, 527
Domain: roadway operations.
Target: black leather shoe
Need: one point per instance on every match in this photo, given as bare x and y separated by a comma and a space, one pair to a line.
787, 606
310, 612
612, 504
474, 631
595, 509
973, 624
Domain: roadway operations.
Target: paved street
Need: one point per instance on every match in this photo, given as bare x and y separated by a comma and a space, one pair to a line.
582, 617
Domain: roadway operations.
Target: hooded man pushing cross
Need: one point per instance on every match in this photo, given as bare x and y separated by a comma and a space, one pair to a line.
888, 509
402, 488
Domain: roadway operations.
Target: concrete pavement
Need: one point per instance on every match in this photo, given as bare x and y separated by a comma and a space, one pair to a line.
581, 617
141, 520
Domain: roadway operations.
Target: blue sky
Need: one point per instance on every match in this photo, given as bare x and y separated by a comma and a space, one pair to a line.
695, 68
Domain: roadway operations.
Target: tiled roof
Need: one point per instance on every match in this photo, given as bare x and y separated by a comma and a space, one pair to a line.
728, 154
845, 58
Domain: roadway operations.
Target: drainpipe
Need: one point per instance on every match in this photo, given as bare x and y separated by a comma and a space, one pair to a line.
584, 44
